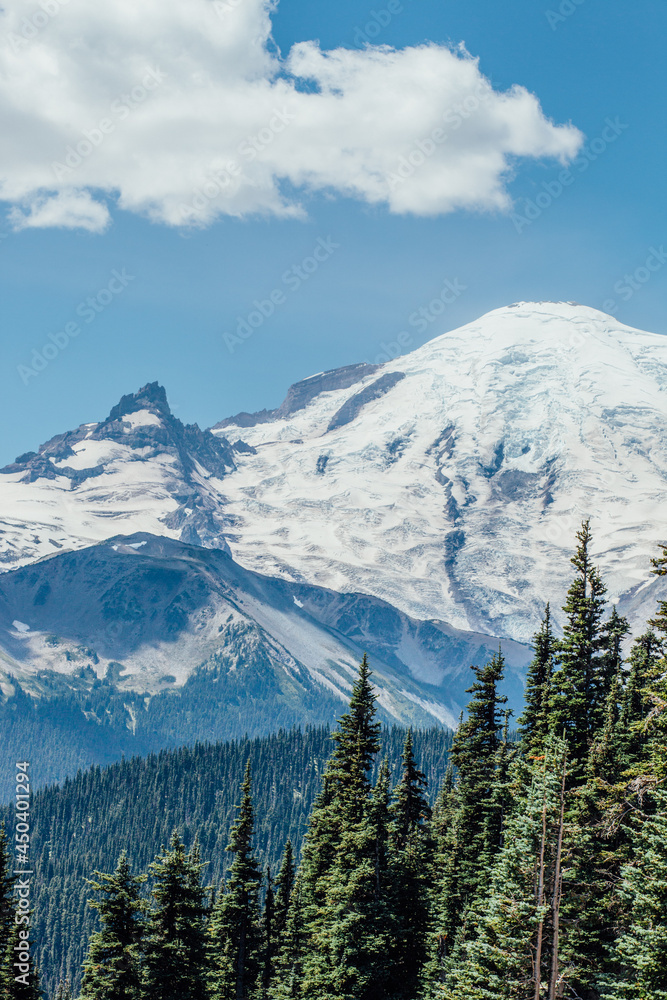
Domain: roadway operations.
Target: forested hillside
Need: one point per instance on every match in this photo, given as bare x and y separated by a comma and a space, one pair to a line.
137, 804
539, 871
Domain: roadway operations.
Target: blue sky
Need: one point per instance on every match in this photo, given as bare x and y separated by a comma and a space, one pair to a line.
182, 289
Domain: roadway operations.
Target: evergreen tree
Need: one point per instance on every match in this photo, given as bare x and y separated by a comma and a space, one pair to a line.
534, 723
286, 984
475, 756
20, 979
411, 857
346, 919
283, 891
508, 949
234, 932
63, 990
268, 934
642, 949
112, 968
636, 704
579, 684
467, 817
174, 942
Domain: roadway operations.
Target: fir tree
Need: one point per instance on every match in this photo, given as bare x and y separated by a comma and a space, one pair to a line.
174, 943
579, 685
534, 723
268, 934
284, 885
411, 858
475, 756
288, 976
467, 817
642, 949
507, 948
20, 979
234, 932
346, 920
636, 704
112, 968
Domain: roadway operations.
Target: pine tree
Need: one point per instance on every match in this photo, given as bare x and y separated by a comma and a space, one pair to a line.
475, 756
579, 684
507, 948
174, 942
20, 979
642, 949
63, 990
234, 933
411, 859
284, 885
346, 920
112, 968
467, 818
534, 723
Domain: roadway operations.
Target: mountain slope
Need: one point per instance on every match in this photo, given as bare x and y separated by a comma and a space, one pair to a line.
150, 615
141, 469
452, 482
448, 483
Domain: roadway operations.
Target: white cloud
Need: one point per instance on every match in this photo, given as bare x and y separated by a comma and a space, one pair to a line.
182, 110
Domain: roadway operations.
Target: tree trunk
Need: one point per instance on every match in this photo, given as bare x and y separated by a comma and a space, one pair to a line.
555, 910
540, 898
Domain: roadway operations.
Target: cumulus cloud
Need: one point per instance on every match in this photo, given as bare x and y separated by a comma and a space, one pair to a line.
183, 111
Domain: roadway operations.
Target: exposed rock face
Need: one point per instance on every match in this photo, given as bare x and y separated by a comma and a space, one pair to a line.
302, 393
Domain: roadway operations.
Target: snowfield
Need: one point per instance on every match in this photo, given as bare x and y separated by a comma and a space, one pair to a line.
449, 482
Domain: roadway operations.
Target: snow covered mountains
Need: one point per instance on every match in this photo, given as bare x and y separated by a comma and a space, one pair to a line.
447, 483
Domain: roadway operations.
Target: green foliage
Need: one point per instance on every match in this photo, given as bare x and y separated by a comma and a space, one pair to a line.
173, 949
534, 723
579, 684
80, 825
234, 934
642, 949
346, 910
504, 948
112, 967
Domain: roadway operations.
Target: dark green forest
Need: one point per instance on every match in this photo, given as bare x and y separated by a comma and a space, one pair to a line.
538, 870
84, 720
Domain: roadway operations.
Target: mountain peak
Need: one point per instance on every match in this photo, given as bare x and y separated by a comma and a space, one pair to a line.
151, 396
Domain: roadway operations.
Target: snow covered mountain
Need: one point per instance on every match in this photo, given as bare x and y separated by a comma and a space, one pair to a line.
148, 613
451, 482
141, 469
448, 482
